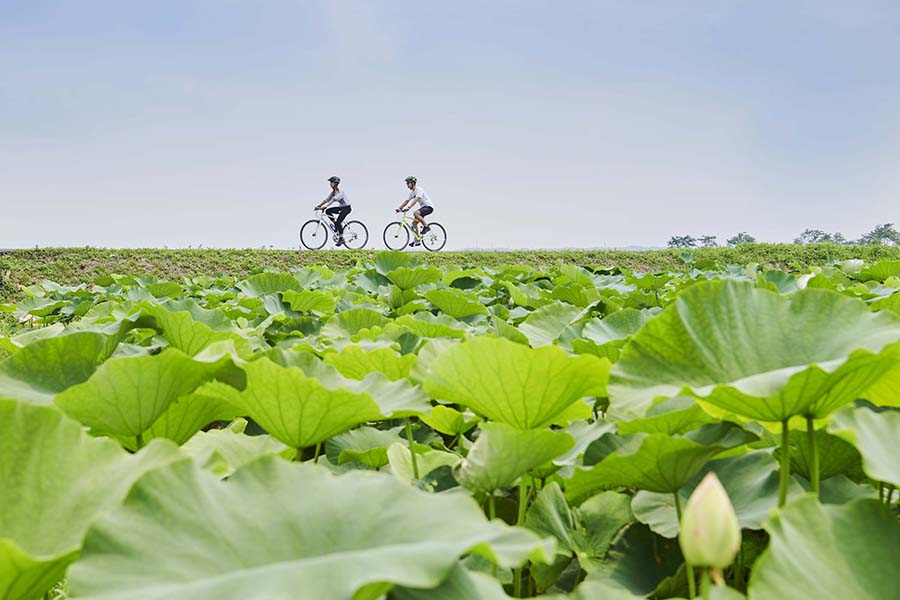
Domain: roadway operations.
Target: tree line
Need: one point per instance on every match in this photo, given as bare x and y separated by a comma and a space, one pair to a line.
884, 234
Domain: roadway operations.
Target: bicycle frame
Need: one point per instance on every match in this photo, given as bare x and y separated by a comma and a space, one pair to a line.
406, 221
324, 219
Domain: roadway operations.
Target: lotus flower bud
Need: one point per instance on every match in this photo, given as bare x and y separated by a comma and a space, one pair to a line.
710, 533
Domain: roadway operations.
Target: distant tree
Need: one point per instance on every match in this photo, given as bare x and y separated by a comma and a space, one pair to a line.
741, 238
884, 234
682, 241
708, 241
812, 236
817, 236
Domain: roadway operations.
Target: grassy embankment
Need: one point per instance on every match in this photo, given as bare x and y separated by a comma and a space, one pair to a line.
71, 266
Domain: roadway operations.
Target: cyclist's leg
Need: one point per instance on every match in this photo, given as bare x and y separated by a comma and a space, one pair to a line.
417, 220
331, 212
342, 214
424, 212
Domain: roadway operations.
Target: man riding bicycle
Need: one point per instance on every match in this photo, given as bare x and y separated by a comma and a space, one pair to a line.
336, 213
417, 196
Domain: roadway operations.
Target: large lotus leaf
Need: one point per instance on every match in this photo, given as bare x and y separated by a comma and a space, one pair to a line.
353, 321
875, 435
407, 279
365, 445
215, 318
510, 332
546, 324
525, 295
890, 303
660, 464
449, 421
514, 384
672, 416
880, 271
189, 414
584, 434
356, 362
307, 301
385, 262
184, 332
400, 459
585, 531
427, 325
461, 584
579, 295
395, 398
125, 396
38, 306
276, 529
223, 451
46, 367
618, 326
166, 289
263, 284
300, 410
456, 303
886, 391
817, 551
54, 481
502, 454
835, 456
754, 352
639, 561
751, 481
13, 344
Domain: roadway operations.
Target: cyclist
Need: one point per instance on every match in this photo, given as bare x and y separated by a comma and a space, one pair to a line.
417, 195
336, 213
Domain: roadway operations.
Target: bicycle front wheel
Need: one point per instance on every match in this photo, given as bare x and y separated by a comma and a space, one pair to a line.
355, 235
436, 238
313, 235
396, 236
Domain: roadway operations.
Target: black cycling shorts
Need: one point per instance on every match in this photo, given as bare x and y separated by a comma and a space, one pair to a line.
425, 211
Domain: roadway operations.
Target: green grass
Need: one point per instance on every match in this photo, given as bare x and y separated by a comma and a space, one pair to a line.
77, 265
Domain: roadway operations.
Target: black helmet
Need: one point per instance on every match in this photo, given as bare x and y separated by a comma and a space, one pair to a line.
334, 179
410, 178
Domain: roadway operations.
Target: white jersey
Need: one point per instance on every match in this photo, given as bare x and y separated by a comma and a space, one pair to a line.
418, 192
339, 198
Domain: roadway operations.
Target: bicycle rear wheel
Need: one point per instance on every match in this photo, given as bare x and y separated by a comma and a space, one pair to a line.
396, 236
436, 238
355, 235
313, 235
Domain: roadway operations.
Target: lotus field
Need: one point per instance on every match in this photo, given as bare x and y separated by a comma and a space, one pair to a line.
396, 430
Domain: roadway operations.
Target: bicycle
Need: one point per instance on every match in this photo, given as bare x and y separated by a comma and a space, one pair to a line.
314, 233
398, 234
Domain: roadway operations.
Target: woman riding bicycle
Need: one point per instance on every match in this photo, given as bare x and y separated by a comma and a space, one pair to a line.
336, 213
417, 195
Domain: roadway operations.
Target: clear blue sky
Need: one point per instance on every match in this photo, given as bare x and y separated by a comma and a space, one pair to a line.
530, 124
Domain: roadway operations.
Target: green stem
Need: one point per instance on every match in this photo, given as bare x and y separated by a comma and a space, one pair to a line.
785, 478
704, 584
412, 449
139, 441
316, 454
814, 456
890, 494
492, 514
692, 585
737, 575
520, 519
